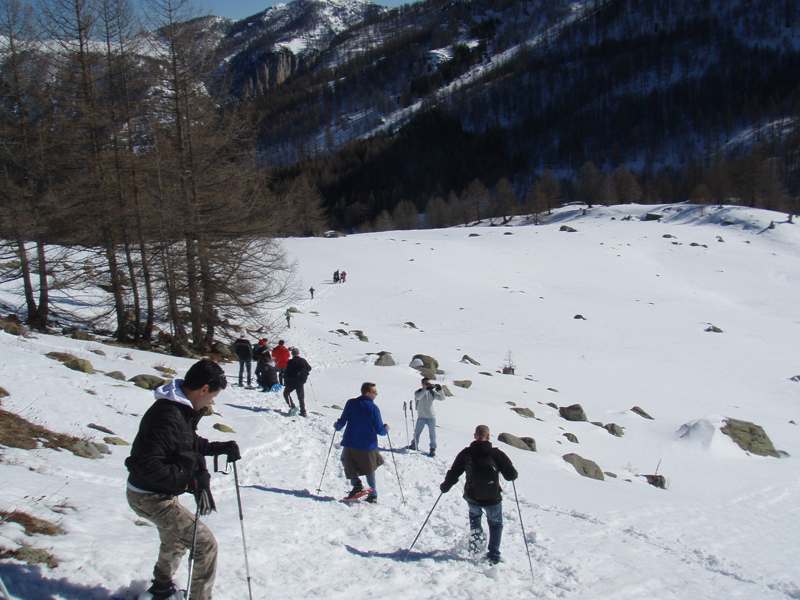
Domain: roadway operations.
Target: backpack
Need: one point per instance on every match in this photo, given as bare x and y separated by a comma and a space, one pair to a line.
301, 376
484, 479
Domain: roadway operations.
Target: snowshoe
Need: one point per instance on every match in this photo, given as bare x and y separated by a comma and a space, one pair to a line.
493, 559
356, 494
477, 543
162, 592
275, 388
293, 411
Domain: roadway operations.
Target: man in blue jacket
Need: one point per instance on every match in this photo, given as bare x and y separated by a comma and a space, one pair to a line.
360, 456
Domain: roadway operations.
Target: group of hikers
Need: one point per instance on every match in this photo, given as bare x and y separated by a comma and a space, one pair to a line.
276, 369
168, 458
338, 277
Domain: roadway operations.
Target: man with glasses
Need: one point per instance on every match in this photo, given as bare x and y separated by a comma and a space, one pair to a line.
167, 459
360, 456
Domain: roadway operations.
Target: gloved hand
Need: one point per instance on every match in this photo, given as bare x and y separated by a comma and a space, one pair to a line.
444, 487
200, 486
231, 449
438, 387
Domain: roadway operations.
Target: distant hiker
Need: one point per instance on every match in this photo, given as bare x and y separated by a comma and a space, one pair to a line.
360, 455
295, 376
336, 276
269, 372
312, 292
483, 465
244, 351
288, 315
167, 459
281, 355
258, 352
424, 398
343, 277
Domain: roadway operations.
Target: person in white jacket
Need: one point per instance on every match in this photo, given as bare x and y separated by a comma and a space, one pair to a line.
424, 398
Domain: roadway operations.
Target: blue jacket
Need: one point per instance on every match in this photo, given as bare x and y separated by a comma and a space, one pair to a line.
364, 424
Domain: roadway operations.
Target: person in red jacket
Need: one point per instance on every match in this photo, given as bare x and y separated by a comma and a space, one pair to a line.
281, 355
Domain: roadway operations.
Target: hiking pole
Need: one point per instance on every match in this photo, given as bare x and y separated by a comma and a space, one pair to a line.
413, 425
405, 413
241, 521
315, 396
423, 526
194, 547
395, 466
525, 539
319, 488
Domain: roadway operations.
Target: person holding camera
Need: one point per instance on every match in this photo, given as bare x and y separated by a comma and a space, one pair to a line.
424, 398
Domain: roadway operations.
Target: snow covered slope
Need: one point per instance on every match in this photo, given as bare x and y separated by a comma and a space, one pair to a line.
726, 526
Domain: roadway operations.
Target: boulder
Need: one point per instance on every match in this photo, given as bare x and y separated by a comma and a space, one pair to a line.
447, 392
222, 349
468, 359
116, 441
463, 383
584, 467
82, 335
294, 309
118, 375
614, 429
523, 443
552, 405
579, 318
524, 412
426, 365
749, 437
4, 393
11, 328
80, 364
61, 356
572, 413
101, 428
147, 382
568, 229
385, 359
223, 428
656, 480
360, 335
653, 217
713, 329
571, 437
641, 412
410, 324
85, 449
97, 351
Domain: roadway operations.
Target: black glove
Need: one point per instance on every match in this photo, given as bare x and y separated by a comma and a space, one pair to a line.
438, 388
444, 487
200, 486
231, 449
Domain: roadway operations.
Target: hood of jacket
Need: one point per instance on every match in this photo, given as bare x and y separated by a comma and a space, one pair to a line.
172, 391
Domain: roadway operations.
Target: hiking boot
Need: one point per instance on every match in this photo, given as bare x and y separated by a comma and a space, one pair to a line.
432, 452
372, 499
303, 413
355, 491
411, 446
165, 591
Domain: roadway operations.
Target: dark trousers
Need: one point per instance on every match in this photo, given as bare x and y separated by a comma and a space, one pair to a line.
242, 363
301, 395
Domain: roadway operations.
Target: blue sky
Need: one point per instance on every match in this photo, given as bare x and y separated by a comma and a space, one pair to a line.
239, 9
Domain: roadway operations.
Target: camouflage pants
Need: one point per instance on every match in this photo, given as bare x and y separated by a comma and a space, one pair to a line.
175, 528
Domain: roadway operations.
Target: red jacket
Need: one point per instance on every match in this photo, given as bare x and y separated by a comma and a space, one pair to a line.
281, 355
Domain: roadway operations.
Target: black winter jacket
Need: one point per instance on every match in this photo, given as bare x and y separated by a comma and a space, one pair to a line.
297, 370
243, 349
167, 452
463, 463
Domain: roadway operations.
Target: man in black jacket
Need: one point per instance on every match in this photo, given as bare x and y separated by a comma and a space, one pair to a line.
295, 376
167, 459
483, 465
243, 350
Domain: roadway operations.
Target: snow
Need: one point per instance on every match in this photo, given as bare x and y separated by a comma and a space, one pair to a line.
728, 525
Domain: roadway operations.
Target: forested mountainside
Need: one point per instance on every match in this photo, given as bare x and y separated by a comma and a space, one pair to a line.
510, 88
